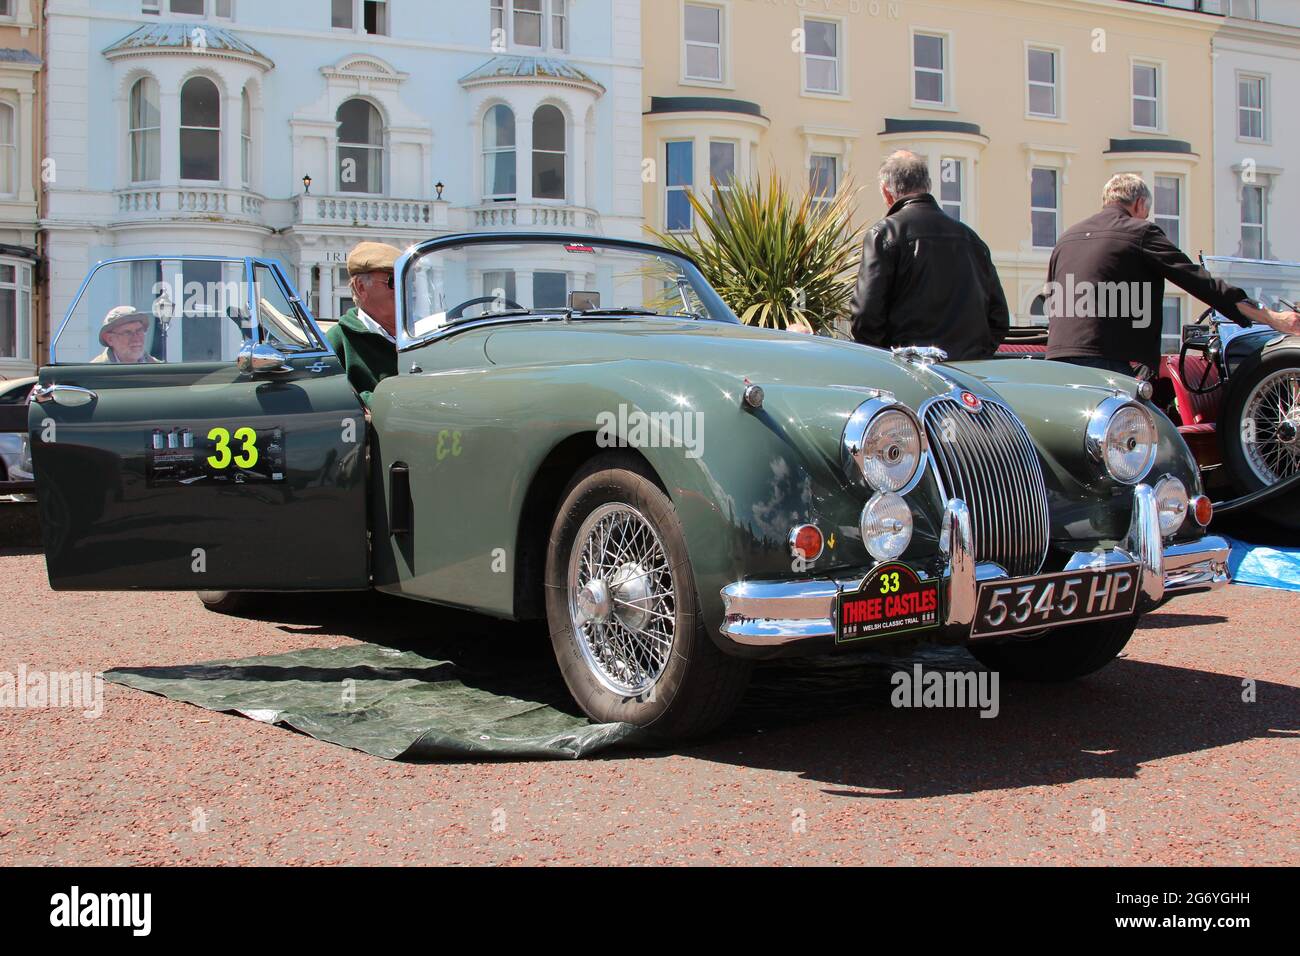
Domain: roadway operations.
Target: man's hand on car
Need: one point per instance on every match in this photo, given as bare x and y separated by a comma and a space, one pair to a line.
1286, 322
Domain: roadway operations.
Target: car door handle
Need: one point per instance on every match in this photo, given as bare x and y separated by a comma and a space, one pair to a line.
69, 396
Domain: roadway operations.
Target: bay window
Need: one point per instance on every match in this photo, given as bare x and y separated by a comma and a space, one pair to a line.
200, 133
679, 216
499, 169
549, 135
1169, 207
952, 188
144, 129
8, 150
722, 168
245, 139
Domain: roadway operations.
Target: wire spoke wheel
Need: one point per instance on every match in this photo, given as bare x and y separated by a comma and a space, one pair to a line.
1273, 413
622, 599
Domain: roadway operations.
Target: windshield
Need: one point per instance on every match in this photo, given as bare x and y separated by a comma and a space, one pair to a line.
1275, 284
453, 284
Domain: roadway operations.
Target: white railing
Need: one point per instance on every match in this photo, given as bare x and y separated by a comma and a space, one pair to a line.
509, 215
349, 211
180, 202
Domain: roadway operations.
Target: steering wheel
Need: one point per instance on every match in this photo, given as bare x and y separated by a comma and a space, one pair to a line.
459, 311
1208, 347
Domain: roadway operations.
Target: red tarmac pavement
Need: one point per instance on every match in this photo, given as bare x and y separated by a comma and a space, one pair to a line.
1155, 760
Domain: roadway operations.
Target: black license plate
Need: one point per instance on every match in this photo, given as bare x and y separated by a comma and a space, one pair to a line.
1052, 600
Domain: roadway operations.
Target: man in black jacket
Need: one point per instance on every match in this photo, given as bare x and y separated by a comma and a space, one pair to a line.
1106, 287
926, 279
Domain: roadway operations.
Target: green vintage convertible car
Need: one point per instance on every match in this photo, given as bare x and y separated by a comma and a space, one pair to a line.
582, 431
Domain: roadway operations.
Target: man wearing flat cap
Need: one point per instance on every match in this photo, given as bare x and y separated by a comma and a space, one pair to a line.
124, 335
366, 337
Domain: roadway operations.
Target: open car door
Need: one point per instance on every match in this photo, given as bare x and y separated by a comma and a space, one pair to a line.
194, 431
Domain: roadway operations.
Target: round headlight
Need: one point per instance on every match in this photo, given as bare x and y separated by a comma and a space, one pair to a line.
1123, 437
886, 526
884, 444
1171, 505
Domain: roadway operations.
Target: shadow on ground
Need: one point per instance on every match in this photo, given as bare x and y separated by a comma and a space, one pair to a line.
830, 719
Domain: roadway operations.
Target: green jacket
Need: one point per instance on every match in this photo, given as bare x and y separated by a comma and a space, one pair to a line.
368, 358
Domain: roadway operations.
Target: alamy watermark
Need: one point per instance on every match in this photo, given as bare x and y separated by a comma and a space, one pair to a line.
40, 690
1100, 300
920, 688
633, 428
73, 909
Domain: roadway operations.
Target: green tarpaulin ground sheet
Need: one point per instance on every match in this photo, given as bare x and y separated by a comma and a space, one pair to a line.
458, 686
396, 704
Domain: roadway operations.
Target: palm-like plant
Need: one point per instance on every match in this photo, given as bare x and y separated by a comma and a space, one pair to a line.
778, 261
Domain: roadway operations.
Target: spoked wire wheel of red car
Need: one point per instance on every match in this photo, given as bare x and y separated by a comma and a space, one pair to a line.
623, 610
1260, 429
1273, 405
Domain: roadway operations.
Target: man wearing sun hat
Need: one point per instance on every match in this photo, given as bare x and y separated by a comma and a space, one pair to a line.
365, 338
124, 335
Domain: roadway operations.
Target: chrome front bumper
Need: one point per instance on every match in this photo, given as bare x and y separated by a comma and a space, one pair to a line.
773, 615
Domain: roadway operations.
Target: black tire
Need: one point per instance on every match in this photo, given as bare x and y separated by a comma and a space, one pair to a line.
227, 602
697, 687
1062, 655
1284, 511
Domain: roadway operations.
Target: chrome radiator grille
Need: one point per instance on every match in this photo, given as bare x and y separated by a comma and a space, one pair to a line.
987, 459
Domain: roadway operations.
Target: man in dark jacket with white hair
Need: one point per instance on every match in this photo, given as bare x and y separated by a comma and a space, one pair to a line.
1106, 287
926, 278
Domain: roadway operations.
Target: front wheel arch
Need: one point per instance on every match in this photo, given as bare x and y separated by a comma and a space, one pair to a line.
545, 494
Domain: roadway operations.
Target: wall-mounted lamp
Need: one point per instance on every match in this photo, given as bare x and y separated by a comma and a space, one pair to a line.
306, 185
439, 187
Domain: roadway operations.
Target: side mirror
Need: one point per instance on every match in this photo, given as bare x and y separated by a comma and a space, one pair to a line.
261, 360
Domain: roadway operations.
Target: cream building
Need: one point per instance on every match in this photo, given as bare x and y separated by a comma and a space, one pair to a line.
1024, 109
20, 135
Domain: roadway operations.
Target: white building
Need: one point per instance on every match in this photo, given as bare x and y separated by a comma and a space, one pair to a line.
1257, 148
298, 128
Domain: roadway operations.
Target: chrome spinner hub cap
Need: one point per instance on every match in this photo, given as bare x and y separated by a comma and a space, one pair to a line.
622, 600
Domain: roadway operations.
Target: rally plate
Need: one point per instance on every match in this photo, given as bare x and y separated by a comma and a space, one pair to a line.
893, 599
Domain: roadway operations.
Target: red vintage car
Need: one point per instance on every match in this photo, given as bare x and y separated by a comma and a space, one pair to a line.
1233, 393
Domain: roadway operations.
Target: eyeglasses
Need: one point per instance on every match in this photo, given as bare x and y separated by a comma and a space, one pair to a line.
390, 281
127, 333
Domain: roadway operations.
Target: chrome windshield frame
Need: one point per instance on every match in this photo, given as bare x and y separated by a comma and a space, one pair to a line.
406, 341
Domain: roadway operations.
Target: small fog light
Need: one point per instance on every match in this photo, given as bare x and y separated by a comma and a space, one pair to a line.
886, 526
1171, 505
